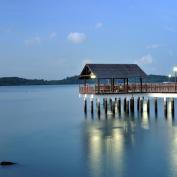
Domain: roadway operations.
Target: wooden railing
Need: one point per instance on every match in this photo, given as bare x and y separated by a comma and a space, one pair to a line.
132, 88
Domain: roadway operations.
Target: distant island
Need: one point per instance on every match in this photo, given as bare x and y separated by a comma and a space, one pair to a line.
17, 81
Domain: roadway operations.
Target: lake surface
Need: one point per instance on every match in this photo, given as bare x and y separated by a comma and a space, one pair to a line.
44, 130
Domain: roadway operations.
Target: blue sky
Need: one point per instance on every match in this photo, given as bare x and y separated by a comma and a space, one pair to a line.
52, 39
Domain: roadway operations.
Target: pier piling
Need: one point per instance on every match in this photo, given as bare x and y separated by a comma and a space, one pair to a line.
113, 108
141, 104
116, 102
138, 103
172, 107
127, 106
110, 102
92, 109
119, 105
165, 107
85, 105
148, 106
132, 104
125, 103
106, 106
98, 108
156, 106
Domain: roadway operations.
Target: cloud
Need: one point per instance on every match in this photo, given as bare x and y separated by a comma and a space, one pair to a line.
99, 25
153, 46
145, 60
36, 40
77, 38
52, 35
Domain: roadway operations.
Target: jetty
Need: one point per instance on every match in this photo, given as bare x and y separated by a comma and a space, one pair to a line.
118, 85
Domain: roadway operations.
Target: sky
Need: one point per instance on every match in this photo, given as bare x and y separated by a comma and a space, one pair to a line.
53, 39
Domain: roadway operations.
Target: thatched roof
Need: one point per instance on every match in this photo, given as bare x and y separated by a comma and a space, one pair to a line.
106, 71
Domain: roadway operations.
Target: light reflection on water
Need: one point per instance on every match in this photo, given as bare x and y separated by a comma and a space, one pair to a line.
110, 140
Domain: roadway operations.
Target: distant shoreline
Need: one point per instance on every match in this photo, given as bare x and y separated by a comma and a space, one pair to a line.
74, 80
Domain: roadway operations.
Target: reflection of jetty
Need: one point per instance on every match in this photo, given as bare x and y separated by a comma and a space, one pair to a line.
114, 79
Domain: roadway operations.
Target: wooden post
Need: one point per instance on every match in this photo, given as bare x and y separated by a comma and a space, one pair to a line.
98, 108
132, 104
172, 107
113, 108
141, 104
125, 100
156, 106
119, 105
103, 102
110, 101
138, 103
148, 106
116, 102
85, 105
127, 106
91, 102
106, 107
165, 107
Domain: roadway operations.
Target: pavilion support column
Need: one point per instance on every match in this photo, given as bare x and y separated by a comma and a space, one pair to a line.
127, 85
124, 86
113, 83
85, 83
141, 85
98, 85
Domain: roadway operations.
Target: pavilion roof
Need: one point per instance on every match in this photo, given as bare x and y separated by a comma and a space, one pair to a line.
106, 71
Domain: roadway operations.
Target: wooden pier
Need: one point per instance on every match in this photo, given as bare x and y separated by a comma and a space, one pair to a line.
122, 90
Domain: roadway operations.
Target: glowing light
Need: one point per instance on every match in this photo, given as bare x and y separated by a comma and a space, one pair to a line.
91, 97
169, 75
92, 76
175, 68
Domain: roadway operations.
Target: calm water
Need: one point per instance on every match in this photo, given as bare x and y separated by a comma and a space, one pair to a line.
44, 130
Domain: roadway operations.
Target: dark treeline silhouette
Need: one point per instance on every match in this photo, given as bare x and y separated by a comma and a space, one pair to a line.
12, 81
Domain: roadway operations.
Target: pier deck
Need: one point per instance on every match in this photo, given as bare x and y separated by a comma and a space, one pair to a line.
131, 88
